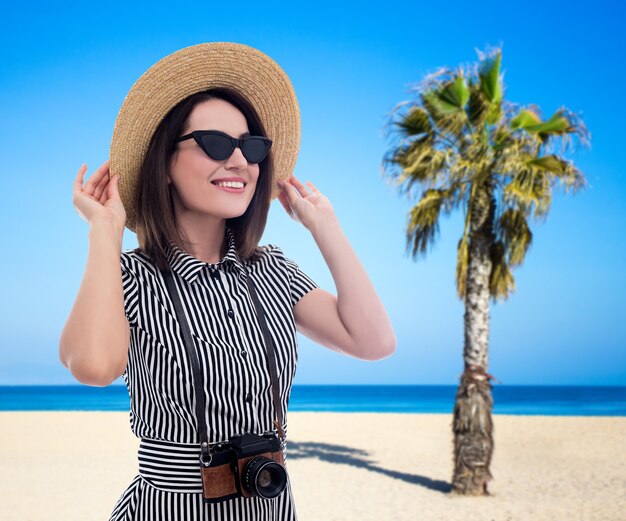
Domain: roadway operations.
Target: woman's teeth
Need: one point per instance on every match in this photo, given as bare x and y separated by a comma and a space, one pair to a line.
231, 184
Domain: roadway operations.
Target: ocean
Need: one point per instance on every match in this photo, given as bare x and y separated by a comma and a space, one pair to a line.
508, 399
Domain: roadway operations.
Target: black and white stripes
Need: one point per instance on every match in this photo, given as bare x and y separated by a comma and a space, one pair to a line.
229, 340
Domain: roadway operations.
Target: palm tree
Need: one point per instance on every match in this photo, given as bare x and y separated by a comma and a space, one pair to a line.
464, 144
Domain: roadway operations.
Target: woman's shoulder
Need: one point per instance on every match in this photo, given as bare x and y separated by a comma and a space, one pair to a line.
136, 262
274, 259
269, 257
298, 281
272, 251
130, 257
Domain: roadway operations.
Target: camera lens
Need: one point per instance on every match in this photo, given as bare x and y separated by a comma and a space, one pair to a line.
264, 477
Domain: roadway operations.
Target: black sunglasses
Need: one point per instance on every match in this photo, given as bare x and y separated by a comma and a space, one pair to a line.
219, 145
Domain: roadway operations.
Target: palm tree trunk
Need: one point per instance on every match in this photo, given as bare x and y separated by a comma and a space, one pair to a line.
472, 425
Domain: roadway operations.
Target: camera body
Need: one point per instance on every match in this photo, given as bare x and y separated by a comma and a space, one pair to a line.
246, 465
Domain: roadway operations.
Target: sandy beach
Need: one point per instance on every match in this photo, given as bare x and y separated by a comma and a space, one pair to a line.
343, 466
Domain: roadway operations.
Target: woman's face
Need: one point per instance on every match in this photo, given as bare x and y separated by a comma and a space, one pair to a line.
193, 173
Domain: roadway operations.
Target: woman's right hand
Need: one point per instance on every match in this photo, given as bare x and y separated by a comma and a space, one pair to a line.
99, 198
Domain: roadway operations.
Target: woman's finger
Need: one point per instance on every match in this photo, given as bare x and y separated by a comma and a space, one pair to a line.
288, 198
114, 191
282, 197
78, 180
300, 187
95, 178
100, 189
110, 192
289, 191
313, 187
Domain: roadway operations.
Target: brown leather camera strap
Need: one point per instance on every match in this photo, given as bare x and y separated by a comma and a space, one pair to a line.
195, 364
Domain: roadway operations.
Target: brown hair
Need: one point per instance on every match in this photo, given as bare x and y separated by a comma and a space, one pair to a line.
156, 223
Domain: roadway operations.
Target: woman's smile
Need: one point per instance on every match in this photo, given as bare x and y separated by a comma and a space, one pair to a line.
235, 188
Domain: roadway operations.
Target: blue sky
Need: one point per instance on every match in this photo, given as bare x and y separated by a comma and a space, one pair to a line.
64, 73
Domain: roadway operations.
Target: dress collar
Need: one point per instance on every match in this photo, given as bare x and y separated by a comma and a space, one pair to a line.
189, 267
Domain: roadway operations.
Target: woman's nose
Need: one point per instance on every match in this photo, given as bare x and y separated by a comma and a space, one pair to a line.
237, 158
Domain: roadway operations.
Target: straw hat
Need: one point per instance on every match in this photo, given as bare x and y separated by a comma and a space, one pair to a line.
194, 69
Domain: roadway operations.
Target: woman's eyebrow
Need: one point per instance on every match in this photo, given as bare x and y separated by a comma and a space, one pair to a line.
245, 134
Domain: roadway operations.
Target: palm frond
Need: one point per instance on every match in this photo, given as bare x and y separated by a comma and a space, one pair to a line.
489, 76
525, 119
462, 261
477, 106
423, 221
501, 280
455, 93
513, 233
447, 119
415, 123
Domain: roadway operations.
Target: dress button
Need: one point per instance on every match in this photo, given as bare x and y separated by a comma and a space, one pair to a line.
244, 353
231, 313
215, 273
249, 398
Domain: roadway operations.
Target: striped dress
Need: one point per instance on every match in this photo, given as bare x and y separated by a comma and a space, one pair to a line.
229, 342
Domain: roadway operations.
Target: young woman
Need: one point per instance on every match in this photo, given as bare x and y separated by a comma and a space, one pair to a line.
204, 141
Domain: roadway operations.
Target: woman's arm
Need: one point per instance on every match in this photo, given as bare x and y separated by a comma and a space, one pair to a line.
94, 341
353, 322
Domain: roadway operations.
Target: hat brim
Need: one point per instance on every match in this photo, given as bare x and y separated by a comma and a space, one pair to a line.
194, 69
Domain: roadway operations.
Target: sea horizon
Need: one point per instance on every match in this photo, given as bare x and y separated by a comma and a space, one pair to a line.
516, 399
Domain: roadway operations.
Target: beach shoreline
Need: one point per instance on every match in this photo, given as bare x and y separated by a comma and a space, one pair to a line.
342, 466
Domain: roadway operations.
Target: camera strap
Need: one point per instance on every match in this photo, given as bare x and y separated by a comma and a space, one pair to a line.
195, 364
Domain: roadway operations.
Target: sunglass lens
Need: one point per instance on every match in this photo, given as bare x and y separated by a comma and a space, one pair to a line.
254, 149
218, 147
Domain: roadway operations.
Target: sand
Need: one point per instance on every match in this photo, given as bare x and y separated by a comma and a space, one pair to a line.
343, 466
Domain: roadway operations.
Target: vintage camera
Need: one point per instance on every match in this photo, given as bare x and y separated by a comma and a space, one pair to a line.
246, 465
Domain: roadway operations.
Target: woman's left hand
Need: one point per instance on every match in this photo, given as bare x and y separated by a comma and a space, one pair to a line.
311, 208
